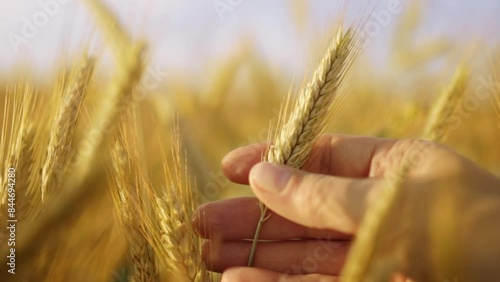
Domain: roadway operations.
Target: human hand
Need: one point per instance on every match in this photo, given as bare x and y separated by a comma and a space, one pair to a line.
315, 212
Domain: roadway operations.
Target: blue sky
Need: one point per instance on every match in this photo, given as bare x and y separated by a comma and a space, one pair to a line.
188, 34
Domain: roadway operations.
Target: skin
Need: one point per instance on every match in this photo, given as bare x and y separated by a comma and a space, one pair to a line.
444, 225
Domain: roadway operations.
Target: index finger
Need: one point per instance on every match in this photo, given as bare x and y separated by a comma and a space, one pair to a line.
333, 154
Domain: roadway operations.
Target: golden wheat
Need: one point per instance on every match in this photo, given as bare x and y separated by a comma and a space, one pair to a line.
361, 257
496, 89
446, 106
169, 229
298, 132
127, 190
293, 142
25, 169
64, 128
361, 254
300, 11
423, 51
15, 138
178, 246
128, 57
8, 150
72, 201
496, 106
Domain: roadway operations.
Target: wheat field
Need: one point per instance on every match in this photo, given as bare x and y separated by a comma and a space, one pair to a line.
108, 173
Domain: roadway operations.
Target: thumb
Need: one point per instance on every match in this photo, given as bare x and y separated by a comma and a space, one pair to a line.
313, 200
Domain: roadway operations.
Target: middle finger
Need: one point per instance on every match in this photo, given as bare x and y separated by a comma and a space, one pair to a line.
236, 219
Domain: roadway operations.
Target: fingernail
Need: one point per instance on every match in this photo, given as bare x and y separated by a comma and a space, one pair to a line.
270, 177
196, 222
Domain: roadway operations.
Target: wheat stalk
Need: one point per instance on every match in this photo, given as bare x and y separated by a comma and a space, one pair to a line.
361, 256
293, 142
446, 106
126, 191
63, 129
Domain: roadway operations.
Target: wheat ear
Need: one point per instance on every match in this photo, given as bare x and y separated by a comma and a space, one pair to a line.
360, 258
14, 140
294, 140
169, 228
8, 152
64, 128
25, 171
128, 73
128, 57
361, 254
446, 106
15, 137
127, 195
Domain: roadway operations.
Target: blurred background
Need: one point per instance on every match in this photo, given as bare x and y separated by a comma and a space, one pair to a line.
201, 32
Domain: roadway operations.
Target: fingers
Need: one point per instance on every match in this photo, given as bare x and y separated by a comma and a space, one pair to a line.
250, 274
340, 155
314, 200
244, 274
293, 257
236, 219
237, 164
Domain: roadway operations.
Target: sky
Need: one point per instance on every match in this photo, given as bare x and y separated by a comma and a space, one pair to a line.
187, 34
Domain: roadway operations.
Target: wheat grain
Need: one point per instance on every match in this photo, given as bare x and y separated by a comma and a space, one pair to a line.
64, 128
294, 139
